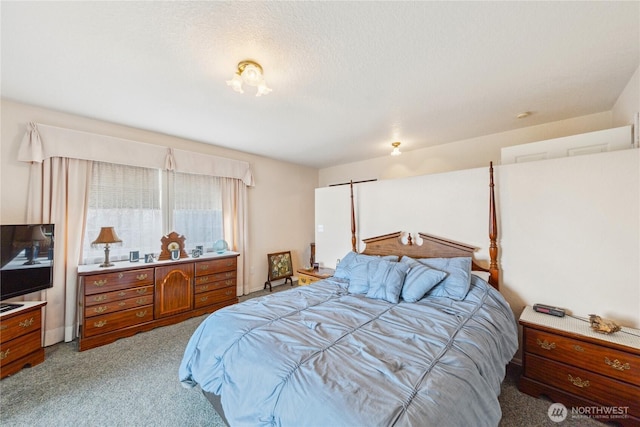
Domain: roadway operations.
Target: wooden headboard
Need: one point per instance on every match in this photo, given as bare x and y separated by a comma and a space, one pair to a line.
430, 246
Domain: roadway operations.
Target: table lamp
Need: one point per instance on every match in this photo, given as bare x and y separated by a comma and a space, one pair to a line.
107, 236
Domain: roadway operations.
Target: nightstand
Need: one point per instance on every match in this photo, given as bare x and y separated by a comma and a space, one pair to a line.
21, 337
307, 277
597, 374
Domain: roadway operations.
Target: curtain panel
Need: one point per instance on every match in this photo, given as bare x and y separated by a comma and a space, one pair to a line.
61, 161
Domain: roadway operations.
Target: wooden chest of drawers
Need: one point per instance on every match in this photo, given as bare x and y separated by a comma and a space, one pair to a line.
21, 338
565, 360
128, 298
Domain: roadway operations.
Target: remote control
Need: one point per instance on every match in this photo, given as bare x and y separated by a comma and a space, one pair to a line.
547, 309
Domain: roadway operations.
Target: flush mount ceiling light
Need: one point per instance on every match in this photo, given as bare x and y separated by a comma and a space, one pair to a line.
250, 73
396, 151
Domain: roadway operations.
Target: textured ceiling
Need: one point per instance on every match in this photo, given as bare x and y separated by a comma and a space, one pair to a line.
348, 78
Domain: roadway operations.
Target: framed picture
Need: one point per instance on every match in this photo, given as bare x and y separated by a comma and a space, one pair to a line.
280, 267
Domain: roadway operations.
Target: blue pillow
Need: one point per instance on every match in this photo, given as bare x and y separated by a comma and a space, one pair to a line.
386, 279
343, 269
358, 270
420, 279
456, 284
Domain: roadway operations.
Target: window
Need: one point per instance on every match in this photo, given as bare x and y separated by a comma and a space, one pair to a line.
137, 202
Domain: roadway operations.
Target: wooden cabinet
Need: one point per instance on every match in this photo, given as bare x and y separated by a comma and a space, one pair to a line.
174, 289
573, 365
307, 277
128, 298
21, 338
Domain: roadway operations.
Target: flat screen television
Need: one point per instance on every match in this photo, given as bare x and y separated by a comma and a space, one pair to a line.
26, 255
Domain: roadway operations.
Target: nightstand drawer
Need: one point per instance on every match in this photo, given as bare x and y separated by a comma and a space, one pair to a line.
21, 324
605, 361
99, 309
597, 388
209, 278
304, 280
19, 347
211, 286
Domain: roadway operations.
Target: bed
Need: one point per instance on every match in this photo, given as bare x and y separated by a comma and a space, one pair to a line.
409, 332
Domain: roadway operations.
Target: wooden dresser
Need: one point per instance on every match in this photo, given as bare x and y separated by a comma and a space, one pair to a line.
21, 337
307, 277
128, 298
595, 374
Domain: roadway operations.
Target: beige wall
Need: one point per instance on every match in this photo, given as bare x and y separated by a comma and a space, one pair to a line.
280, 208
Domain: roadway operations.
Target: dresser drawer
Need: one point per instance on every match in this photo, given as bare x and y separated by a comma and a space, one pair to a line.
121, 319
579, 382
113, 306
210, 285
109, 297
20, 324
15, 349
99, 283
204, 268
216, 296
606, 361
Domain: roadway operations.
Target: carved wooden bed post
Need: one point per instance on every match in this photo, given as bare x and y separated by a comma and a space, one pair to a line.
353, 222
493, 233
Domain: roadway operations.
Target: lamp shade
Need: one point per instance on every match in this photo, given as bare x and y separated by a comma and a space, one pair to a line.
107, 235
37, 235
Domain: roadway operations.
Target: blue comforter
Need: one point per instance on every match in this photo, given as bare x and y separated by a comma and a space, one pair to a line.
319, 356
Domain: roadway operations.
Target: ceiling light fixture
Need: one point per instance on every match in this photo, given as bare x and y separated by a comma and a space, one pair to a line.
249, 72
396, 151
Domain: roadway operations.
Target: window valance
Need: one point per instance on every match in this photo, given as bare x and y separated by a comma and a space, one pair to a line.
43, 141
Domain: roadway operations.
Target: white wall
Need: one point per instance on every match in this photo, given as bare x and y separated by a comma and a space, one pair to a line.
280, 207
569, 229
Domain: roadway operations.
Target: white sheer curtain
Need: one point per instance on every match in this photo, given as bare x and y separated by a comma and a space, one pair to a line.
235, 223
57, 194
197, 208
128, 199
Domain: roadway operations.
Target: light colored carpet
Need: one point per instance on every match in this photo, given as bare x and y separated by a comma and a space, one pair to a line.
134, 382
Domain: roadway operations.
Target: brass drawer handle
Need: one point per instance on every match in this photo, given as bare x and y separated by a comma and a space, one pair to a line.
228, 292
101, 309
120, 276
99, 298
203, 279
141, 301
142, 291
100, 324
203, 299
576, 347
100, 283
26, 323
229, 282
141, 313
229, 263
616, 364
546, 344
141, 276
3, 327
204, 288
121, 294
578, 382
204, 267
122, 303
229, 274
4, 354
